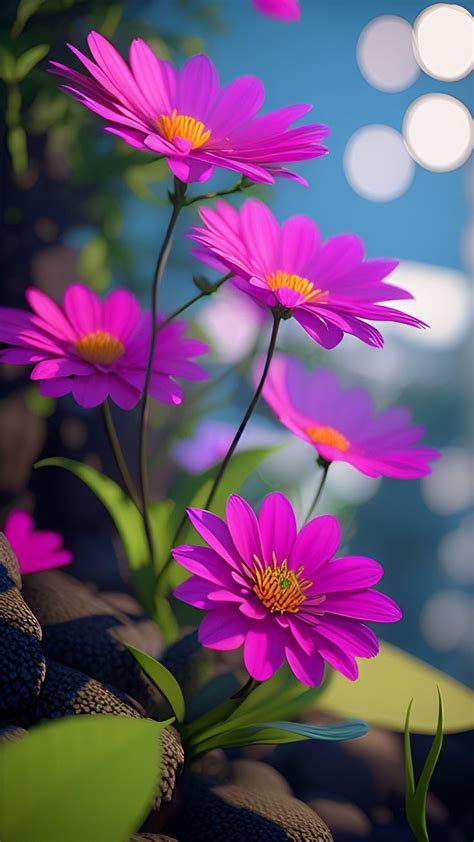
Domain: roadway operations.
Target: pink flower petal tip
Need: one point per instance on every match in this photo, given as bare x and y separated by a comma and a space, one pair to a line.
35, 549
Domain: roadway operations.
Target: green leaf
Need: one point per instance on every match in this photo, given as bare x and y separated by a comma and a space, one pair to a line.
29, 60
78, 778
126, 517
25, 9
7, 66
93, 266
163, 679
17, 147
384, 689
276, 733
415, 797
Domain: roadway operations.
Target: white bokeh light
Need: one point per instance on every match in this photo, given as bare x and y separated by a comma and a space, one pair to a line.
441, 298
377, 164
450, 488
455, 552
438, 132
385, 53
447, 620
232, 322
443, 41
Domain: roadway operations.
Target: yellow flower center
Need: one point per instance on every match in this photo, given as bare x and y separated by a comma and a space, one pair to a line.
277, 280
327, 435
179, 125
278, 588
99, 347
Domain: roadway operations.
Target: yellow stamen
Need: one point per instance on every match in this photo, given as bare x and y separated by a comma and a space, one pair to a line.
99, 347
279, 588
329, 436
277, 280
180, 125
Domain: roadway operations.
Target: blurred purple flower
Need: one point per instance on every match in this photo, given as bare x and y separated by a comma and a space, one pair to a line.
329, 288
186, 115
35, 549
343, 424
281, 9
210, 442
280, 593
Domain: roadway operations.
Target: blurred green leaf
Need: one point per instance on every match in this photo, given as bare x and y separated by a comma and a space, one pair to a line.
112, 18
29, 60
17, 147
25, 9
36, 403
93, 264
415, 797
80, 778
7, 66
163, 679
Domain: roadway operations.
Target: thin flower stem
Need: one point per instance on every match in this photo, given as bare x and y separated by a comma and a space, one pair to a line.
160, 582
248, 414
118, 453
245, 691
202, 294
177, 200
322, 482
240, 185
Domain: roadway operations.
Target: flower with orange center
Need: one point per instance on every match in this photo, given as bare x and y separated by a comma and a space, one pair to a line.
295, 283
184, 127
279, 588
99, 347
328, 436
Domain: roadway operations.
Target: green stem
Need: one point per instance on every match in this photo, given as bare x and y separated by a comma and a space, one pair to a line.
203, 294
248, 413
177, 200
319, 491
239, 185
118, 453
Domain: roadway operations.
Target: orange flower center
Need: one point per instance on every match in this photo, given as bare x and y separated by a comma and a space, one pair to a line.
99, 347
277, 280
278, 588
327, 435
179, 125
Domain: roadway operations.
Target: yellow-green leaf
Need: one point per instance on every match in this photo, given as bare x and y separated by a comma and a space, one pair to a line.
163, 679
386, 685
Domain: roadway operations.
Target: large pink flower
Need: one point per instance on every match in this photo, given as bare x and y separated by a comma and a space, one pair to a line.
343, 424
329, 288
280, 593
96, 348
281, 9
35, 549
186, 115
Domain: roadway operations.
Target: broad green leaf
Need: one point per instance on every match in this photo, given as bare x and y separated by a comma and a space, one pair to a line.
7, 66
25, 9
80, 778
29, 60
415, 797
163, 679
276, 733
385, 686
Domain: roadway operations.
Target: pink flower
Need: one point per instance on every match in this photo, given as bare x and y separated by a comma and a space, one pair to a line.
35, 549
343, 425
280, 593
96, 348
328, 288
282, 9
186, 115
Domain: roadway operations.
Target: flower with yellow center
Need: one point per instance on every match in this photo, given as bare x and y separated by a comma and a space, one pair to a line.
99, 347
278, 588
187, 128
279, 280
329, 436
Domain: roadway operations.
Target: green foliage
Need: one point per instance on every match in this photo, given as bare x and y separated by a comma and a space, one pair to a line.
163, 679
415, 797
80, 778
26, 62
25, 10
93, 266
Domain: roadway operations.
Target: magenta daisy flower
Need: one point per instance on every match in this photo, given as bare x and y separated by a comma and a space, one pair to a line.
96, 348
187, 116
329, 288
35, 549
281, 9
282, 594
343, 424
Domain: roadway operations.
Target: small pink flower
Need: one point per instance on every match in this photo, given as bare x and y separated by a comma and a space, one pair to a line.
329, 288
187, 116
35, 549
280, 593
96, 348
343, 424
281, 9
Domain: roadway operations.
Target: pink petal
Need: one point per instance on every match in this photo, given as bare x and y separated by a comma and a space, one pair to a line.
264, 648
309, 669
204, 562
372, 606
223, 629
316, 544
338, 658
122, 393
121, 311
300, 243
52, 368
189, 170
90, 390
49, 311
261, 233
243, 527
278, 527
155, 77
350, 635
349, 573
83, 309
238, 102
215, 532
197, 87
326, 334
